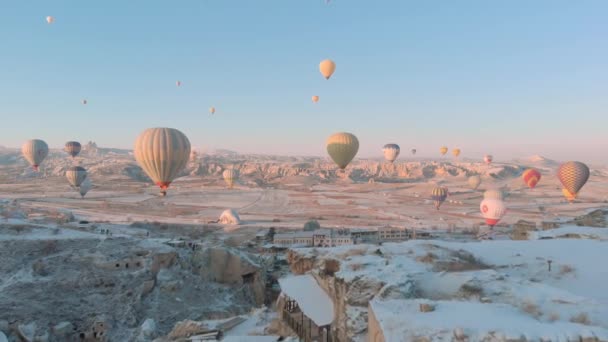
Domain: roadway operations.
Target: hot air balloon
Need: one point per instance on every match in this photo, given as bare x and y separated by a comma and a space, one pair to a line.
494, 194
443, 150
84, 102
76, 175
474, 181
72, 148
573, 175
438, 195
342, 148
391, 152
34, 151
488, 159
85, 187
456, 152
492, 210
315, 99
569, 196
162, 153
327, 68
531, 177
414, 151
50, 20
178, 83
212, 110
230, 176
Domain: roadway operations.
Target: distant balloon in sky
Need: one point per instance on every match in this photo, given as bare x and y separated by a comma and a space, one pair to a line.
76, 175
72, 148
162, 153
391, 152
414, 151
342, 148
573, 175
50, 20
178, 83
84, 102
492, 210
474, 181
443, 150
84, 187
531, 177
327, 68
438, 195
230, 176
34, 151
488, 159
456, 152
315, 99
212, 110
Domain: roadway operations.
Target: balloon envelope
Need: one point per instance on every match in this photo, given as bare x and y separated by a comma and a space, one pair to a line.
474, 181
456, 152
494, 194
488, 159
443, 150
76, 175
492, 210
50, 19
162, 153
531, 177
73, 148
327, 68
230, 176
573, 175
438, 195
315, 99
34, 151
391, 152
342, 148
212, 110
414, 151
85, 187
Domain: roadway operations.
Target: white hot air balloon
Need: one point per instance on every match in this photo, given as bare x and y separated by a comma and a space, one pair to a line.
35, 151
162, 153
474, 181
230, 176
76, 175
492, 210
391, 152
212, 110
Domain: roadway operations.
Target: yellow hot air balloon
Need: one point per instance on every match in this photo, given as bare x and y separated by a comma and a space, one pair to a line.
443, 150
50, 20
162, 153
342, 148
34, 151
230, 176
76, 175
569, 196
212, 110
315, 99
327, 68
456, 152
573, 175
474, 181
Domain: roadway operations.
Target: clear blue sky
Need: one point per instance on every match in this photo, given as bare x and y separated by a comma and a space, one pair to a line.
512, 78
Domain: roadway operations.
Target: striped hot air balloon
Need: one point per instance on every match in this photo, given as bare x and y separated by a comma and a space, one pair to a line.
342, 148
162, 153
531, 177
573, 175
456, 152
492, 210
391, 152
443, 150
35, 151
230, 176
438, 195
76, 175
474, 181
72, 148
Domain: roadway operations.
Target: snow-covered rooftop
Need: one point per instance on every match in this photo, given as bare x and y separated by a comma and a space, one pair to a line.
311, 298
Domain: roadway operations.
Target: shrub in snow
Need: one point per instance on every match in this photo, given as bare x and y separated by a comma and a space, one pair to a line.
230, 216
312, 225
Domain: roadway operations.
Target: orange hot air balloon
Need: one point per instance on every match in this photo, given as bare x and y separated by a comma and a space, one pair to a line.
315, 99
531, 177
570, 197
327, 68
456, 152
443, 150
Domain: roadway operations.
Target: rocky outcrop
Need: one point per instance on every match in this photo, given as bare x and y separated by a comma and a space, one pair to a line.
596, 218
